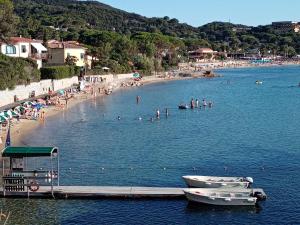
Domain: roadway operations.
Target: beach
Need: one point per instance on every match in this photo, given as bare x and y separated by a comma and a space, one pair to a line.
24, 126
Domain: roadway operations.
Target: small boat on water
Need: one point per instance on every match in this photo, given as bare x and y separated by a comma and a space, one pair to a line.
183, 106
258, 82
217, 182
224, 197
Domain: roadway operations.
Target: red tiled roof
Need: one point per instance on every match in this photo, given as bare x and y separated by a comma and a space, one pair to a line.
21, 39
65, 44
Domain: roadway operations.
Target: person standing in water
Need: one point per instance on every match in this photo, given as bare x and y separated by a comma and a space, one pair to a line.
204, 103
138, 98
167, 112
192, 103
157, 114
197, 103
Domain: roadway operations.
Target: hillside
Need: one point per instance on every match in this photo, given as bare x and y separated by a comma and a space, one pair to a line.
78, 15
70, 19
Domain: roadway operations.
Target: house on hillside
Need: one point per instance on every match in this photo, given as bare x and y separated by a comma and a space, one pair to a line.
25, 48
202, 54
59, 51
287, 26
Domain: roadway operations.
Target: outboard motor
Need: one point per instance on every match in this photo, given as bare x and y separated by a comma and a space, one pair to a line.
250, 180
259, 195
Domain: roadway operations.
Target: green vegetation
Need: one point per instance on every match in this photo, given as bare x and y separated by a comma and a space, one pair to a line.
7, 18
75, 20
125, 42
59, 72
17, 71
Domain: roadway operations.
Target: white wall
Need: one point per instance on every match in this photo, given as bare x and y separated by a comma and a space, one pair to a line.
18, 50
42, 87
124, 76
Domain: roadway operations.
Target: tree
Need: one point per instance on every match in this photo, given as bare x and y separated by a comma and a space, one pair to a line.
8, 20
71, 60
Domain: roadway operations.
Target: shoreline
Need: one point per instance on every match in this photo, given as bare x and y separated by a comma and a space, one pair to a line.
24, 126
21, 128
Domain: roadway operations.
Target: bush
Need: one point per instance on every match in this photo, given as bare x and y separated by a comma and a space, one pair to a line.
59, 72
17, 71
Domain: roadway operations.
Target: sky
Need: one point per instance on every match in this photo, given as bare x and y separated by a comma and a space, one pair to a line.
200, 12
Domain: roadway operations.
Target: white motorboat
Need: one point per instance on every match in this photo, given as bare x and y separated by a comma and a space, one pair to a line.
217, 182
224, 197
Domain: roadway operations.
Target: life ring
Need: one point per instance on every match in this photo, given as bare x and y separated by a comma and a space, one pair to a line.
34, 186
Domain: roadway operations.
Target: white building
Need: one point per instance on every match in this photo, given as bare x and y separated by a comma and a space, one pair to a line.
25, 48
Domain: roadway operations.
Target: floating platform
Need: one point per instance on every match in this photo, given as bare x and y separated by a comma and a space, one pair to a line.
94, 192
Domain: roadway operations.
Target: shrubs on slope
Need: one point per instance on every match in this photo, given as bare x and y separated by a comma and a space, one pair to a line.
17, 71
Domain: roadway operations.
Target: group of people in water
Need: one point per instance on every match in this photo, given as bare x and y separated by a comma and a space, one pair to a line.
193, 104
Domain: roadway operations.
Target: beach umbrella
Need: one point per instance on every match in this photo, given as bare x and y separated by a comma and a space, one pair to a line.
27, 104
3, 119
136, 75
5, 114
20, 109
61, 92
13, 113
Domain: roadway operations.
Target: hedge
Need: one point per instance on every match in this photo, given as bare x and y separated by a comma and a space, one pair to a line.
17, 71
59, 72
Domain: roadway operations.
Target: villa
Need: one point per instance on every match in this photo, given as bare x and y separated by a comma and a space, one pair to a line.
201, 54
59, 51
25, 48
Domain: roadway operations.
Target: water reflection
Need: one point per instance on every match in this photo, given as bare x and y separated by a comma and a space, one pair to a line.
193, 207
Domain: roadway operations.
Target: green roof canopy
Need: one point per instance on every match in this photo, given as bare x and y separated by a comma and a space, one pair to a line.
28, 151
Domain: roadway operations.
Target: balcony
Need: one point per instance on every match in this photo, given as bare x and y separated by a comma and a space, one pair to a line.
42, 56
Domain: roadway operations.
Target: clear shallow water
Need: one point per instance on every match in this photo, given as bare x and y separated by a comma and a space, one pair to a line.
252, 130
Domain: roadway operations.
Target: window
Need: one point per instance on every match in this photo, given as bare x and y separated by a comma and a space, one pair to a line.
10, 49
23, 49
81, 55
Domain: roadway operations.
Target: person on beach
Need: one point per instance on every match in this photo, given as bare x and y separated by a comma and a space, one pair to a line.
43, 115
157, 114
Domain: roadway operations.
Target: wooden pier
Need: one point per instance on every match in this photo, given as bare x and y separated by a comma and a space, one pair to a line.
95, 192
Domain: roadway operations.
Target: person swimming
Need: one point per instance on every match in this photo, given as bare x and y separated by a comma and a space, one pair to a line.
119, 118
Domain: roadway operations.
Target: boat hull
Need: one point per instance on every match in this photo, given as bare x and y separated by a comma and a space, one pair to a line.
194, 182
221, 201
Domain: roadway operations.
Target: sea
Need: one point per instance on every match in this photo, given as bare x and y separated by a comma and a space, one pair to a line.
251, 130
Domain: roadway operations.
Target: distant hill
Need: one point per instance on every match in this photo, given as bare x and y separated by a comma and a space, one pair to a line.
77, 15
69, 19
